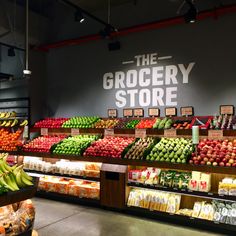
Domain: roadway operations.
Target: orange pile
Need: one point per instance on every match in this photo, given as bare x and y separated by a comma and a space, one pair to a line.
9, 141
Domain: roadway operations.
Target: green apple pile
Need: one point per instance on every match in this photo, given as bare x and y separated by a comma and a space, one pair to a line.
131, 124
74, 145
139, 148
81, 122
174, 150
166, 123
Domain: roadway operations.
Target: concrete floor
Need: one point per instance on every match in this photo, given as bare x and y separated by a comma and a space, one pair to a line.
62, 219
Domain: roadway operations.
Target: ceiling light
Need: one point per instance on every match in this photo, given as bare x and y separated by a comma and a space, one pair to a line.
79, 16
27, 72
191, 14
11, 52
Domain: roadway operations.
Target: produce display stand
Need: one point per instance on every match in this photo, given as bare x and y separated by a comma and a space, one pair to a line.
20, 195
115, 188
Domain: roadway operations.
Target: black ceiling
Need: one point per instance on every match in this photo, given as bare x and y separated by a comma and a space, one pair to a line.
45, 7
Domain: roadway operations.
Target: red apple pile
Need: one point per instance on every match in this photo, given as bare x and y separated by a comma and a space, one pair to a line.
108, 147
145, 124
43, 143
215, 153
50, 123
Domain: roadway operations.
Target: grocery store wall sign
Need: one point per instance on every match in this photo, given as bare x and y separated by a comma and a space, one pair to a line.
149, 84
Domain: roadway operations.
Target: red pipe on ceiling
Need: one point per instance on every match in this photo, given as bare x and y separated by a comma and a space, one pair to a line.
215, 13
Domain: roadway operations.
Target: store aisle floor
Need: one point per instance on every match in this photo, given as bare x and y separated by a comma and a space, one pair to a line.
62, 219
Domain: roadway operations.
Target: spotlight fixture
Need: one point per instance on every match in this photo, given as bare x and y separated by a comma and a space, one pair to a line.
11, 52
191, 15
79, 16
27, 72
106, 32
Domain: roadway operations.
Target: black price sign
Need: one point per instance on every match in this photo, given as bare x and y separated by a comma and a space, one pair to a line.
154, 112
128, 112
171, 111
112, 113
138, 112
186, 111
227, 110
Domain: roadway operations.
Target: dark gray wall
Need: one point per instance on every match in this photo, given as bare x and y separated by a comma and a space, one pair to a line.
75, 73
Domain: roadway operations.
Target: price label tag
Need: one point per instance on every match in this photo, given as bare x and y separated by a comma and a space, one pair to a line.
26, 132
170, 133
138, 112
112, 113
186, 111
140, 133
44, 131
74, 132
171, 111
153, 112
215, 134
226, 109
128, 112
109, 132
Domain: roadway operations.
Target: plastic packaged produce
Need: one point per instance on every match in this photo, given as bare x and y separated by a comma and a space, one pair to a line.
154, 200
63, 167
78, 188
17, 218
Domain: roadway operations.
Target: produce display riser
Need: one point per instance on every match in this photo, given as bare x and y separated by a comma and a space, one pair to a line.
150, 132
20, 195
166, 165
68, 198
182, 220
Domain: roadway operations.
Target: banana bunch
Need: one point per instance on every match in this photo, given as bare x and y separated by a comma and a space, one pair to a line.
6, 115
8, 123
13, 178
24, 123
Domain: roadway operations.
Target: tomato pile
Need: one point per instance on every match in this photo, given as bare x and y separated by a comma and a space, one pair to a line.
9, 141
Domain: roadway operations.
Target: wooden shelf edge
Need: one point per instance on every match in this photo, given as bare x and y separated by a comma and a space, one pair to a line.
68, 198
164, 165
149, 131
